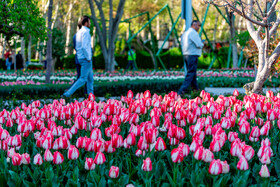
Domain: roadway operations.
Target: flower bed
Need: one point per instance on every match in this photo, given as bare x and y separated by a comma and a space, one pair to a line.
146, 139
68, 77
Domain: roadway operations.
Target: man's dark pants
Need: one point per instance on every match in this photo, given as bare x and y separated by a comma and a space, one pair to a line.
130, 63
190, 79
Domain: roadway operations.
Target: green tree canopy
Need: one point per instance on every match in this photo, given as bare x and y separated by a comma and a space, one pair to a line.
22, 18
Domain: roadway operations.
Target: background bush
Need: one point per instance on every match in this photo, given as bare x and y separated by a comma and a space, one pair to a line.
171, 59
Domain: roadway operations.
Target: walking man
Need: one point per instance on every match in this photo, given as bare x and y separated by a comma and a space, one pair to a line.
192, 49
84, 56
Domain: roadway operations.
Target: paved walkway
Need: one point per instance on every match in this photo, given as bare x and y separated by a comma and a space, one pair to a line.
222, 91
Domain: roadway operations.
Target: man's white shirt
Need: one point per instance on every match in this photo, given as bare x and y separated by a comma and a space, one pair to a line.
83, 44
191, 43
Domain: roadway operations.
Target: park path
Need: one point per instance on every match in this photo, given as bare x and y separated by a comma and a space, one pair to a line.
223, 91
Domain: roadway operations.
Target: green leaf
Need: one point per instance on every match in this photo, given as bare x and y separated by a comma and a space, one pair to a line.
76, 174
242, 181
170, 179
124, 180
102, 182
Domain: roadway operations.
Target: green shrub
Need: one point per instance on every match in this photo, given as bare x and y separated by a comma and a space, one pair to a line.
2, 63
171, 59
100, 89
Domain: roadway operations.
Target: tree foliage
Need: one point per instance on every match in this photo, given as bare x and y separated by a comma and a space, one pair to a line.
21, 17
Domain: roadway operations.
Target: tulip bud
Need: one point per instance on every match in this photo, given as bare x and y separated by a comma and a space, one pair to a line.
207, 156
89, 164
242, 164
11, 152
225, 167
244, 127
38, 160
58, 158
16, 159
160, 144
264, 172
215, 167
248, 152
177, 155
48, 156
232, 136
73, 153
198, 153
147, 165
25, 158
114, 172
99, 158
236, 149
185, 149
96, 134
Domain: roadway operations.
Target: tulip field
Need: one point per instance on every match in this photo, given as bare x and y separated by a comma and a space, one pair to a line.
143, 140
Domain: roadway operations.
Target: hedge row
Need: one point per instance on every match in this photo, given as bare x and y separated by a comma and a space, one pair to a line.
144, 61
100, 89
235, 82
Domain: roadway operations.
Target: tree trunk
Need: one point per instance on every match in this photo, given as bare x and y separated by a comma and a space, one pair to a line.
233, 41
55, 14
158, 28
4, 48
215, 30
37, 51
49, 44
29, 48
107, 43
222, 28
149, 51
23, 51
14, 59
68, 26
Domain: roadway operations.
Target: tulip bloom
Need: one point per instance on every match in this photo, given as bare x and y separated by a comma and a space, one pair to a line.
264, 172
89, 164
99, 158
185, 149
48, 156
25, 158
242, 164
255, 132
73, 153
248, 152
160, 144
58, 158
16, 159
225, 167
198, 153
264, 130
232, 136
114, 172
207, 156
177, 155
131, 139
96, 134
38, 160
236, 149
215, 144
147, 165
244, 127
215, 167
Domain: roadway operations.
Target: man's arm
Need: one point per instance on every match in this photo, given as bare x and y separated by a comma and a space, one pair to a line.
74, 42
196, 40
86, 45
